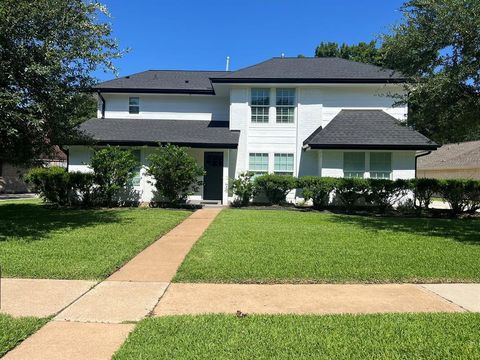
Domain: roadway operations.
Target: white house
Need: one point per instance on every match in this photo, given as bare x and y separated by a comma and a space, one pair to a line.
299, 116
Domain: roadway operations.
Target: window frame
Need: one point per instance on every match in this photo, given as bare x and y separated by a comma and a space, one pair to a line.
264, 156
133, 106
137, 177
385, 174
263, 118
354, 172
285, 118
280, 171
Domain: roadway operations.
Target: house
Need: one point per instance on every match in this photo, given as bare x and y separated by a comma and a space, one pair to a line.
298, 116
452, 161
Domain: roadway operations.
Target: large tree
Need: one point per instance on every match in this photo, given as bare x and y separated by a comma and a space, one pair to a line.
361, 52
48, 51
437, 46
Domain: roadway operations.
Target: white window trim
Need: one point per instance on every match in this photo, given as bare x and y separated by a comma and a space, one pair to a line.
279, 171
269, 107
129, 105
286, 106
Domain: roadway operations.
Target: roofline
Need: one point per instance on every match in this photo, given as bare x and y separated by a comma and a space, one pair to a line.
154, 91
308, 80
158, 143
468, 167
372, 146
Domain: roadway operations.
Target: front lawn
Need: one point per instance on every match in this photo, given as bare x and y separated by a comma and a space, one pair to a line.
275, 246
37, 241
392, 336
15, 330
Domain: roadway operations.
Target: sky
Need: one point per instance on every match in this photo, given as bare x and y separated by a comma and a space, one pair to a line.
200, 34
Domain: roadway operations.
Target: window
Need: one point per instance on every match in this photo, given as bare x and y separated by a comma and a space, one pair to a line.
258, 163
353, 164
283, 164
260, 105
137, 175
380, 165
133, 105
285, 105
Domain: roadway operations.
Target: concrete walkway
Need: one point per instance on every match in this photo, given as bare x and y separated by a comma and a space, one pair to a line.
91, 327
183, 299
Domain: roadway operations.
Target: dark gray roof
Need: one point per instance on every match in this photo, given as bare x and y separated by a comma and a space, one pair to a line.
314, 70
367, 129
163, 81
192, 133
464, 155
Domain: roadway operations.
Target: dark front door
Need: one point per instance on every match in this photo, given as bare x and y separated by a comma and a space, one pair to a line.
213, 181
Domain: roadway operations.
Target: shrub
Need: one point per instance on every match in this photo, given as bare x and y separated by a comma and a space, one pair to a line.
57, 186
275, 187
385, 193
454, 192
176, 173
244, 188
318, 189
424, 189
351, 190
113, 168
472, 192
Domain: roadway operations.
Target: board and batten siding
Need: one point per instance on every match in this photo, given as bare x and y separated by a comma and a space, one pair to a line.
168, 107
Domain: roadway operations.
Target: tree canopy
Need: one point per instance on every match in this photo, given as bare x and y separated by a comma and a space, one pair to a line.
48, 51
361, 52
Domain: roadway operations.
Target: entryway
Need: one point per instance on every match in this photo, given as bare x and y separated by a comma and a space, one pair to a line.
213, 180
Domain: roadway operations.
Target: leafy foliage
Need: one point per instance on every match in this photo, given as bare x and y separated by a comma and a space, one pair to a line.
363, 52
436, 46
318, 189
351, 190
386, 193
59, 187
454, 192
243, 188
176, 173
48, 49
275, 187
113, 168
424, 190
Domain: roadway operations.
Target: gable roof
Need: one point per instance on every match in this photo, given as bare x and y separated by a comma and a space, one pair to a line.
163, 81
311, 70
367, 129
465, 155
192, 133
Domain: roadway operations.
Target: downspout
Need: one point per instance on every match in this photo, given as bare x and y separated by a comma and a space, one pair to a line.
418, 156
103, 103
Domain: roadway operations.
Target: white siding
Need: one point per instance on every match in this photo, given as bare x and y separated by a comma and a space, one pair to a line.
168, 107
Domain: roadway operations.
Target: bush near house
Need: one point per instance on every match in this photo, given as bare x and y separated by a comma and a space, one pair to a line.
424, 190
176, 174
243, 188
351, 190
384, 194
318, 189
275, 187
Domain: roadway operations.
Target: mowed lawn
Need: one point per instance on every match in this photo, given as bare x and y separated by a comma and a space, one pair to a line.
275, 246
15, 330
392, 336
37, 241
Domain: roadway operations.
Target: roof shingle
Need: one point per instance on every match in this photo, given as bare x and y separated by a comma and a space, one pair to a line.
367, 129
465, 155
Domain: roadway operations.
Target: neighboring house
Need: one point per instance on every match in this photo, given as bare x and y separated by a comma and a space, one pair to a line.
298, 116
452, 161
11, 180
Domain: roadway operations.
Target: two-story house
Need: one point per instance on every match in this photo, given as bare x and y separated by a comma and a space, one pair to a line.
298, 116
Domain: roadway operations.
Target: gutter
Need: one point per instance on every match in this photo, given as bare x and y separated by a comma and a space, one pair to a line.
103, 103
418, 156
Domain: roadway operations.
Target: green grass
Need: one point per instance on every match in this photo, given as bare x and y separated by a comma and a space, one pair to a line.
37, 241
393, 336
15, 330
275, 246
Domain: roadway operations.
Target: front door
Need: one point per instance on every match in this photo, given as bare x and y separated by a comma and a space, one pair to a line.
213, 180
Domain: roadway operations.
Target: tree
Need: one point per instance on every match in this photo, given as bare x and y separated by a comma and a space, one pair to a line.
113, 168
437, 47
364, 52
176, 173
48, 50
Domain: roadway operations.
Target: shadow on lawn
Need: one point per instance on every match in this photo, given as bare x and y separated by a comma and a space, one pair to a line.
35, 221
462, 230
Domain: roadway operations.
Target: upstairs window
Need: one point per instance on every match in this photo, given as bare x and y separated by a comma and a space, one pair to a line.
380, 165
353, 164
258, 163
285, 105
260, 105
134, 105
283, 164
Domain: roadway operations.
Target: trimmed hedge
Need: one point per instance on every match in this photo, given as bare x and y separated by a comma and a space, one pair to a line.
318, 189
275, 187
